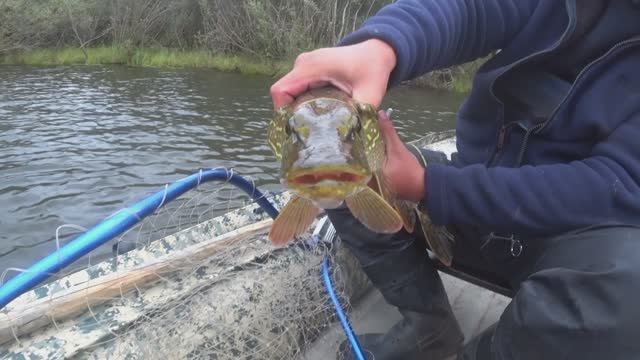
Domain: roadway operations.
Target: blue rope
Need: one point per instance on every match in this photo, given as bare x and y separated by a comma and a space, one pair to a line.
353, 340
123, 220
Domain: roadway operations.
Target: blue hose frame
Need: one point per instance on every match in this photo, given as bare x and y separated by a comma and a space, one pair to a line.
123, 220
119, 223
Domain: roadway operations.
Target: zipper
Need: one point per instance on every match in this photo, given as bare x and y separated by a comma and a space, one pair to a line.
539, 127
502, 135
525, 142
502, 139
503, 128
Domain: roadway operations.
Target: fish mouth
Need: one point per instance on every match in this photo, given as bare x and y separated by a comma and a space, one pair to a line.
335, 176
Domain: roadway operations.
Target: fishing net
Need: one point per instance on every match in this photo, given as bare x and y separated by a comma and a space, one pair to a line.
196, 279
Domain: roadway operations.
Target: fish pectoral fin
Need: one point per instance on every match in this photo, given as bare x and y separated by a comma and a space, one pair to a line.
294, 219
404, 208
374, 212
439, 239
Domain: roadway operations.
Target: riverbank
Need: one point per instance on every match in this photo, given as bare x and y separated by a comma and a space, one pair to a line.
147, 57
457, 79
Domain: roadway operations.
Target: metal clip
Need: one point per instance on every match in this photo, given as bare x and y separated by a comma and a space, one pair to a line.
516, 247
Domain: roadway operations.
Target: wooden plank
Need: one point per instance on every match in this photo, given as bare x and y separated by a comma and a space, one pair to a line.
79, 299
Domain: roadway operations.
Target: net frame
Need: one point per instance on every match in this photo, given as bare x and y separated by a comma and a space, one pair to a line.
111, 327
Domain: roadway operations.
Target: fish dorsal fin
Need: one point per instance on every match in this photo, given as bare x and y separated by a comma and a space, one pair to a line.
374, 212
438, 238
294, 220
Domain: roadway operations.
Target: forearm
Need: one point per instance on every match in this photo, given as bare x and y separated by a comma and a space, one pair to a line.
431, 34
533, 199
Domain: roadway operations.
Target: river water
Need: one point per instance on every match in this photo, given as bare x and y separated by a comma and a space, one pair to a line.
79, 143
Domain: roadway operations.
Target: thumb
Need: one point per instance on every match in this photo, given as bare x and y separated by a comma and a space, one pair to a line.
370, 90
389, 135
371, 94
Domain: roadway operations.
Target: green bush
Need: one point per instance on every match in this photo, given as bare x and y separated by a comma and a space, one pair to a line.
250, 36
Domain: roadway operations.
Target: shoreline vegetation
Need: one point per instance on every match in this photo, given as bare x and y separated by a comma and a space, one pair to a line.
456, 79
257, 37
161, 57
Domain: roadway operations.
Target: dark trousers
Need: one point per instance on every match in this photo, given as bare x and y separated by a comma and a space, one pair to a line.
577, 295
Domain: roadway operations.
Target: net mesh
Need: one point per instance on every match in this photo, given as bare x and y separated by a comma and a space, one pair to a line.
197, 279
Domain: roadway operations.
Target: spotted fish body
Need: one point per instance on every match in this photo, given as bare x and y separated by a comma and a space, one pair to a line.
330, 149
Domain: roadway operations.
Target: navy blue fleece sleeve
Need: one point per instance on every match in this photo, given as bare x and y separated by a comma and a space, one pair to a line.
432, 34
546, 198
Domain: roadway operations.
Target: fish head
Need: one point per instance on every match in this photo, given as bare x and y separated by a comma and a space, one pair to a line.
317, 140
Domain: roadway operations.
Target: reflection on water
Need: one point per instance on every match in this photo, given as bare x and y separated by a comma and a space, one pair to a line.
79, 143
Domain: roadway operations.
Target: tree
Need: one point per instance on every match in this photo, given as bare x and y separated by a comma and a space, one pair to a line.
88, 20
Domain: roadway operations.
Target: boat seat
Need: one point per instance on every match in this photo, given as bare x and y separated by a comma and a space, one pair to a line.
475, 276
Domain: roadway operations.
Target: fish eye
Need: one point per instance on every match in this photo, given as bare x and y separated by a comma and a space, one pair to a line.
353, 130
294, 123
344, 115
298, 131
358, 124
298, 119
355, 124
351, 119
355, 120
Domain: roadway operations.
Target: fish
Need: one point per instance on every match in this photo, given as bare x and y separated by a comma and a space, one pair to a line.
331, 154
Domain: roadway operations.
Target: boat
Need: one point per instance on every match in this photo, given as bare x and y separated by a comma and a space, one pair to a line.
220, 290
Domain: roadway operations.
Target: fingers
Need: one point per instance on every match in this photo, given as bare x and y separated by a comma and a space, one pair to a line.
295, 83
370, 89
389, 135
361, 71
368, 95
311, 70
289, 87
281, 96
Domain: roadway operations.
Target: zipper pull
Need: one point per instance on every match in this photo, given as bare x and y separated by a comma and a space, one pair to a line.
501, 137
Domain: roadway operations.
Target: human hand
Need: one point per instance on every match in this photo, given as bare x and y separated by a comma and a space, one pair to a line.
361, 70
403, 173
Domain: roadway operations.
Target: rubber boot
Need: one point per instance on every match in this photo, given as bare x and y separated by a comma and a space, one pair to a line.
428, 329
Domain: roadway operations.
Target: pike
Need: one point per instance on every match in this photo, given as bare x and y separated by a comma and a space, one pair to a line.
331, 153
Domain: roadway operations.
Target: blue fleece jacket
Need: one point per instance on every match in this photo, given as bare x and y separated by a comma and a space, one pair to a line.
581, 168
